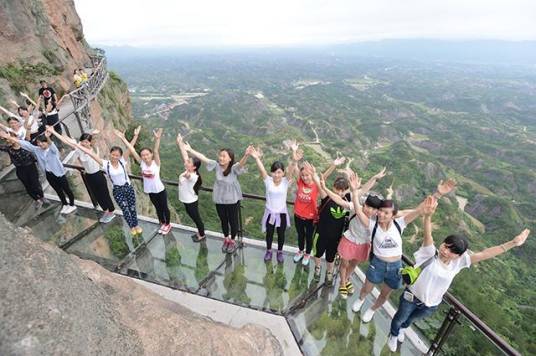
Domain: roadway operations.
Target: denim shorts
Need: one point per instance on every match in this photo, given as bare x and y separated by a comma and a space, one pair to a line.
385, 272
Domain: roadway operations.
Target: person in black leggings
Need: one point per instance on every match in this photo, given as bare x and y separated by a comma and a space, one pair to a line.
26, 170
189, 183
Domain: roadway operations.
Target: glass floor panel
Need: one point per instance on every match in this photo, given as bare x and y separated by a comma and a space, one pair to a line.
176, 261
245, 279
51, 226
326, 325
108, 244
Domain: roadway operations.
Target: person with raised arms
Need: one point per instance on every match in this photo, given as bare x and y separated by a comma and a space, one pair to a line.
276, 216
190, 182
331, 220
116, 171
226, 193
386, 241
354, 246
149, 161
48, 158
438, 267
93, 174
25, 168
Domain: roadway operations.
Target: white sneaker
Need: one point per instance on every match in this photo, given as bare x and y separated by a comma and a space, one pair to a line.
402, 334
357, 305
63, 207
367, 315
392, 343
69, 209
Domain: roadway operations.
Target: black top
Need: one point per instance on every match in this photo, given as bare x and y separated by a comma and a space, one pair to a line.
332, 217
20, 157
47, 94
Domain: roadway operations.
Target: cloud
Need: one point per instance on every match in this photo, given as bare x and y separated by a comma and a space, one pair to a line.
167, 23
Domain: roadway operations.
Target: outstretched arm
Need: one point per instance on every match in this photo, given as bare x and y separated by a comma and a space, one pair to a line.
182, 149
296, 156
130, 147
309, 167
430, 204
331, 168
156, 150
29, 99
244, 159
90, 153
372, 181
333, 196
64, 139
257, 156
194, 153
413, 213
500, 249
10, 114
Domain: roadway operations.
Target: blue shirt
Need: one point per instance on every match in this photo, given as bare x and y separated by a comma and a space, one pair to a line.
49, 159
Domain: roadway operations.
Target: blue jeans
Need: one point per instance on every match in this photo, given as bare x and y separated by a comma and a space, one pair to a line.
408, 312
380, 272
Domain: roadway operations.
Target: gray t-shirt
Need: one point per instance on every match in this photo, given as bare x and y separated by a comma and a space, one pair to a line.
226, 188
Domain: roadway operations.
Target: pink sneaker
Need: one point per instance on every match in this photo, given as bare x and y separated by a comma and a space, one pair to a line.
166, 229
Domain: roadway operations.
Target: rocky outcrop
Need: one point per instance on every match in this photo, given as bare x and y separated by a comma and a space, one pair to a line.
53, 303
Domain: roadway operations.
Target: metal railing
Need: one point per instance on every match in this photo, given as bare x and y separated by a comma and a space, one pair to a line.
456, 308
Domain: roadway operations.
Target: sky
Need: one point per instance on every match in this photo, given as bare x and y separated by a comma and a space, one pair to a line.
221, 23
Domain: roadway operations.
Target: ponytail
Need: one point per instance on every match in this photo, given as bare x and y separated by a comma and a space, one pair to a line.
197, 163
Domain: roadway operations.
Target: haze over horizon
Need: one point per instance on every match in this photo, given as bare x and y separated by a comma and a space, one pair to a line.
242, 23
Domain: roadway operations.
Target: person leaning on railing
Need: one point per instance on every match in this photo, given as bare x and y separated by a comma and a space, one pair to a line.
94, 176
422, 298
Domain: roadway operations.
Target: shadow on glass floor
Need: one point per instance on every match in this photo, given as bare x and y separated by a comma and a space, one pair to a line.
326, 325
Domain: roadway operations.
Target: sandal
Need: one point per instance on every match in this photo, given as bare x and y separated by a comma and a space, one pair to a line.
343, 292
350, 288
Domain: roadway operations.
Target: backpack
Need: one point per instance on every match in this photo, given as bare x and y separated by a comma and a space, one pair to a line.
371, 253
411, 273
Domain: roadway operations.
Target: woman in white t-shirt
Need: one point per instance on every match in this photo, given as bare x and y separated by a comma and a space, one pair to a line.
93, 174
149, 161
276, 215
189, 183
422, 298
116, 170
386, 258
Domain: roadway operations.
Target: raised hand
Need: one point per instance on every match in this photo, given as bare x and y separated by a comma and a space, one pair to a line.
297, 155
429, 205
355, 181
293, 145
158, 133
251, 151
381, 173
95, 132
309, 167
137, 130
4, 135
338, 161
179, 139
187, 146
322, 182
521, 238
446, 187
390, 192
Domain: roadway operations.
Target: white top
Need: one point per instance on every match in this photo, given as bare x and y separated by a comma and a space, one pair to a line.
276, 195
357, 233
435, 279
388, 243
34, 119
119, 175
151, 177
89, 164
186, 188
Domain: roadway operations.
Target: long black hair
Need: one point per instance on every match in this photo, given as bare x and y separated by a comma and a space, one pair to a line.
230, 152
197, 163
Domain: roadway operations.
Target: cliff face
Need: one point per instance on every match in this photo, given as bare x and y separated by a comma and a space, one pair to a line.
39, 39
57, 304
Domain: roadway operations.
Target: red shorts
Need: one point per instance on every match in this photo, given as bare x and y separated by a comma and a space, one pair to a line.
353, 252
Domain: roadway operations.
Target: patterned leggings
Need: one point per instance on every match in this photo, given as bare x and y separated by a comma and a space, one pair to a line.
126, 199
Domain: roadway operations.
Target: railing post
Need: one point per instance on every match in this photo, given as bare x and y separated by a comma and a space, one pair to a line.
444, 331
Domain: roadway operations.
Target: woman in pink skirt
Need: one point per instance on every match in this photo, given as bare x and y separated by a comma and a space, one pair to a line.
354, 246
